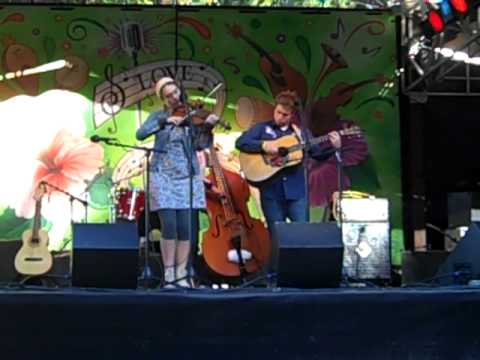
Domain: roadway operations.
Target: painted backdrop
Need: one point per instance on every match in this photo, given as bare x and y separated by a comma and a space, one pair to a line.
342, 63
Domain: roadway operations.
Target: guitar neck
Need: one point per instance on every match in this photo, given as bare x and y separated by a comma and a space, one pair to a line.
37, 219
320, 139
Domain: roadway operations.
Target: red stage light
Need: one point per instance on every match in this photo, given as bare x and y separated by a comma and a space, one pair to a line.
460, 5
436, 21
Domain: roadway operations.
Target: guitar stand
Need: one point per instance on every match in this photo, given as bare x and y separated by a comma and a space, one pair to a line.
46, 280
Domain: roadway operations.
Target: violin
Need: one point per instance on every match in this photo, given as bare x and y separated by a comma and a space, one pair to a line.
198, 114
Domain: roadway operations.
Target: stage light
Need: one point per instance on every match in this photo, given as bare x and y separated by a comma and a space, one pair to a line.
417, 46
447, 52
474, 60
436, 21
460, 5
414, 49
460, 56
446, 9
51, 66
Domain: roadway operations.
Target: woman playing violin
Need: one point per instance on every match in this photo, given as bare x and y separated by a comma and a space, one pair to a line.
170, 176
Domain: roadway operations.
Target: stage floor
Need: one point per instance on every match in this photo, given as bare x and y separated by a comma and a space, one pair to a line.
254, 323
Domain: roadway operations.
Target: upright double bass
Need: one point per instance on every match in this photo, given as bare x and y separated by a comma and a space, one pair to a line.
232, 227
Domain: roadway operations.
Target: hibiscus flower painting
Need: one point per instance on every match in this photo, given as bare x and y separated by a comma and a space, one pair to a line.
42, 139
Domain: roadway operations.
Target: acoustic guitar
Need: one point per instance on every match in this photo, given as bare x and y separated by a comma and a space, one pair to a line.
33, 258
260, 167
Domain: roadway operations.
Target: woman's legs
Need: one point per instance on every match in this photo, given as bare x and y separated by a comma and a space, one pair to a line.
168, 244
176, 244
184, 244
182, 257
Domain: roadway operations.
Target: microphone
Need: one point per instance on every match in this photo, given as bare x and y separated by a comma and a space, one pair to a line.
131, 37
96, 138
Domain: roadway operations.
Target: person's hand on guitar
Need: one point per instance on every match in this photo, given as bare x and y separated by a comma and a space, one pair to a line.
176, 120
335, 139
270, 148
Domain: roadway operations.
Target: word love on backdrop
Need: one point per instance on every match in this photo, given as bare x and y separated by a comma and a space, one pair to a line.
126, 88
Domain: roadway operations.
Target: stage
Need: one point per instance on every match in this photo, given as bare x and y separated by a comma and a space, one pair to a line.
253, 323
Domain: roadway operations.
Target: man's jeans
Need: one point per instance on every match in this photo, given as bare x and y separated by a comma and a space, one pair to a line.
279, 210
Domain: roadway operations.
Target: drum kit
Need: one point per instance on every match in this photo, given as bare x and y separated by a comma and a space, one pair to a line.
127, 205
127, 202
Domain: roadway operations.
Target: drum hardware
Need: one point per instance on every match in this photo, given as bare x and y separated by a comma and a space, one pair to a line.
129, 203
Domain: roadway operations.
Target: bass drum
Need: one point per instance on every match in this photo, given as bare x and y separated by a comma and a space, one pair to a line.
129, 203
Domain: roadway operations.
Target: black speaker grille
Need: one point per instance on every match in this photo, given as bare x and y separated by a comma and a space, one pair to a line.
307, 255
105, 255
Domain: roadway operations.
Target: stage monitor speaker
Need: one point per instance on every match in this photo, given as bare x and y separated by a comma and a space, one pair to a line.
307, 255
450, 210
421, 266
105, 255
463, 263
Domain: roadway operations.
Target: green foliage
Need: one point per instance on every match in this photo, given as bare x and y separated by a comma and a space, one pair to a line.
276, 3
255, 3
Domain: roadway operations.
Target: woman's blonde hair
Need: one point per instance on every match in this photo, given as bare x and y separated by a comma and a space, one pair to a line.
160, 85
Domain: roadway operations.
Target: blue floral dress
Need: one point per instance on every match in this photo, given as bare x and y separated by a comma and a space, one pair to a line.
169, 169
170, 180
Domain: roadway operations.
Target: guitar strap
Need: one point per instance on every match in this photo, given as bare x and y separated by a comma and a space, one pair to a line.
298, 133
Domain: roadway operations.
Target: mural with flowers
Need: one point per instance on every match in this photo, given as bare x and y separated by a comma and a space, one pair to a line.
342, 64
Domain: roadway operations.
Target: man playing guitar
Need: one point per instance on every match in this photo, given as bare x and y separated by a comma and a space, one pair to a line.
283, 195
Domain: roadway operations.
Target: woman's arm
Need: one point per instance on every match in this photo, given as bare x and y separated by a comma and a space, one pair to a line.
155, 122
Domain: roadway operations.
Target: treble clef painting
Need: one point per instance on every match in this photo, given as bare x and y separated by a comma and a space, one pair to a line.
113, 98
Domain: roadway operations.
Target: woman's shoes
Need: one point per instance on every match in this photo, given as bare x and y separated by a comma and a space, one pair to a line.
169, 277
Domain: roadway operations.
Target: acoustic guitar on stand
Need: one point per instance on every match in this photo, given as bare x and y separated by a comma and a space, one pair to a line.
260, 167
34, 258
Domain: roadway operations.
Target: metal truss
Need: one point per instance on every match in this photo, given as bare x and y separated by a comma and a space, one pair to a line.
333, 4
426, 72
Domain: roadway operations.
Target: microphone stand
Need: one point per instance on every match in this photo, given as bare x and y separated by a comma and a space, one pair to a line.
188, 126
306, 149
193, 244
72, 199
339, 165
147, 275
